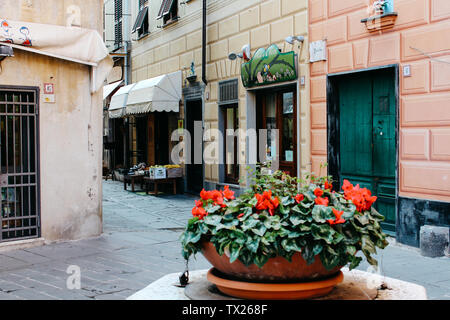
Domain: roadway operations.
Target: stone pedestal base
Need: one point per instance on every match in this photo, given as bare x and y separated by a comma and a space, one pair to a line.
357, 285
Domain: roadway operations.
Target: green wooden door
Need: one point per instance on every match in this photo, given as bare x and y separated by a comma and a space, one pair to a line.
367, 138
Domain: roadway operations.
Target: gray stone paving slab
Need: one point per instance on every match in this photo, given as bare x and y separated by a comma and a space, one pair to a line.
140, 245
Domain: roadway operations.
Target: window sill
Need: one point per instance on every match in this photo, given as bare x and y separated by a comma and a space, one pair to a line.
380, 22
170, 22
142, 36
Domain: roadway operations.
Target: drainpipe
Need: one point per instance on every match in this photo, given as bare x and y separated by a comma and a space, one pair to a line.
204, 45
126, 71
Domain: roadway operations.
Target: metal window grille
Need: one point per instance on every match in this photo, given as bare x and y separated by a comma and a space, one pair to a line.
19, 163
229, 92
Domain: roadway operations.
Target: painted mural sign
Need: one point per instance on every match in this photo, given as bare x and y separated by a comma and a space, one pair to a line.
14, 34
268, 67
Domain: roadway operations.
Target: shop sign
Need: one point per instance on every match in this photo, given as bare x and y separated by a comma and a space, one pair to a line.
268, 67
318, 51
158, 173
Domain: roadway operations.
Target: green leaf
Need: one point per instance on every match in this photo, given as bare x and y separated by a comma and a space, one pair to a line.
362, 219
260, 260
317, 248
192, 237
367, 245
308, 255
351, 250
294, 234
229, 225
322, 232
253, 244
249, 224
338, 237
213, 220
253, 202
329, 258
259, 229
306, 205
212, 209
234, 252
286, 201
284, 210
296, 219
354, 262
273, 222
290, 245
321, 214
374, 213
305, 228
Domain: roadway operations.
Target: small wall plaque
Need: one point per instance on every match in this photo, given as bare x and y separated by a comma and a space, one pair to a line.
318, 51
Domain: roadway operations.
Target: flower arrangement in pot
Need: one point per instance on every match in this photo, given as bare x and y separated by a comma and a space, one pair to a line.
285, 230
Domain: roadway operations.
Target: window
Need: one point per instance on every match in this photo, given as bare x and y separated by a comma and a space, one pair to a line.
231, 144
141, 23
278, 115
118, 15
168, 11
228, 102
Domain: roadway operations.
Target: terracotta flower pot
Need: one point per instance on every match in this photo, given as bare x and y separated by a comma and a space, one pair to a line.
275, 270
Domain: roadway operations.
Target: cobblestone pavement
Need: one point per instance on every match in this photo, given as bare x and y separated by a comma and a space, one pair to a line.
140, 245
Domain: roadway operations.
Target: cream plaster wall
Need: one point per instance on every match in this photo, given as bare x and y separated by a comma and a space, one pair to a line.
70, 129
231, 24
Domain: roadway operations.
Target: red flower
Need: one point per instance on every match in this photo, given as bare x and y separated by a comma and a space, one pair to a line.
318, 192
266, 202
321, 201
227, 193
338, 215
214, 195
240, 216
328, 186
361, 197
299, 198
199, 204
198, 210
205, 195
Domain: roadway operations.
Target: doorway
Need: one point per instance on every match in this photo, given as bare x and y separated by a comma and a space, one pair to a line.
19, 162
194, 171
277, 109
365, 124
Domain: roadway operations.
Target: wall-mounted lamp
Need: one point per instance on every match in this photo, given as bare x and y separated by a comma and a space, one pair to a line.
244, 54
292, 39
6, 51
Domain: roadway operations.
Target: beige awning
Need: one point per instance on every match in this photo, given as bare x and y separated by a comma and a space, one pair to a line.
158, 94
109, 89
79, 45
119, 101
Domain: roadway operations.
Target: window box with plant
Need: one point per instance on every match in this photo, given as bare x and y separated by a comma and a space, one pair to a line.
382, 16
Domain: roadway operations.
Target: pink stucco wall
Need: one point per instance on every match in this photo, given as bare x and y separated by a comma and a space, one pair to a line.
424, 146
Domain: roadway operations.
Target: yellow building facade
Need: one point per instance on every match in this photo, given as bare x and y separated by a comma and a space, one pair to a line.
173, 43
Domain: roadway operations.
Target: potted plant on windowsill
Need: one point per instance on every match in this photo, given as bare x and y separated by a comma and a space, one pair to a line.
277, 232
381, 17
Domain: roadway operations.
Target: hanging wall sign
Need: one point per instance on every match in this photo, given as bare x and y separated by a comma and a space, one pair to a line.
269, 66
